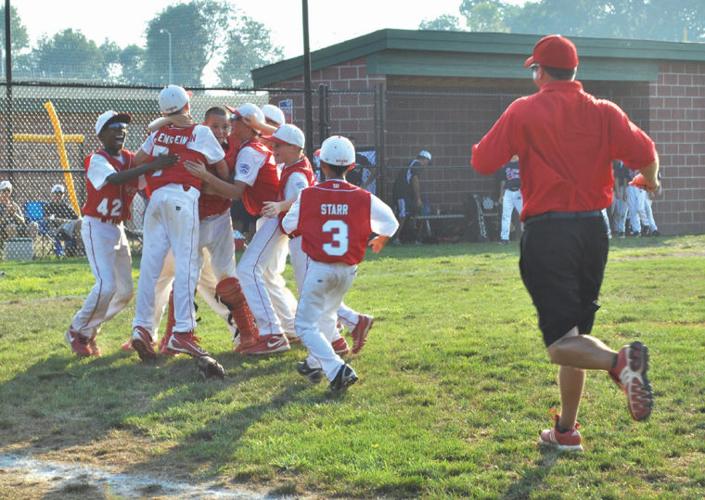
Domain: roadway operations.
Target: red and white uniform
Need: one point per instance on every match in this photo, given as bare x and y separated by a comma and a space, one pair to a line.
335, 220
272, 304
217, 253
107, 206
172, 221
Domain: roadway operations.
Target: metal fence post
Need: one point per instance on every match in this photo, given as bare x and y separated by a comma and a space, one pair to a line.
323, 113
379, 124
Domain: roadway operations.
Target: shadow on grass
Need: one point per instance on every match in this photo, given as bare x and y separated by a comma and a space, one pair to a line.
62, 402
532, 478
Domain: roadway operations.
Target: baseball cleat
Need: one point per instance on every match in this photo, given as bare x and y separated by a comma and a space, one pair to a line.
127, 345
345, 377
265, 344
314, 375
142, 343
186, 343
340, 346
569, 440
78, 343
629, 373
93, 346
164, 345
210, 368
360, 332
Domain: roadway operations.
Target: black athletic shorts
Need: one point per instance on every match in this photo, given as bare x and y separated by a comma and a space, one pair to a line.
562, 265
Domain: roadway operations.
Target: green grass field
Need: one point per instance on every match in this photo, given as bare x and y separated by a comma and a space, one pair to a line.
454, 387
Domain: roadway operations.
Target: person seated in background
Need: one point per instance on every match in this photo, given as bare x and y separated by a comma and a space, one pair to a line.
12, 221
62, 221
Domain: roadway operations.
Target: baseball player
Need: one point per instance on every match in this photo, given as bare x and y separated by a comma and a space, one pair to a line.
509, 196
172, 221
110, 180
335, 220
566, 140
297, 174
256, 180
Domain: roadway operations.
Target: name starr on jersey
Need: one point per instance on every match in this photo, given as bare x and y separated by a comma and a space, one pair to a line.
334, 209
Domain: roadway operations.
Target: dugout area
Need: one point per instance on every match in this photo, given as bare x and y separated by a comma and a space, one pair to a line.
400, 91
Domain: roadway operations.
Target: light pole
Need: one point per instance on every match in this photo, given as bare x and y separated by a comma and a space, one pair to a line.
164, 30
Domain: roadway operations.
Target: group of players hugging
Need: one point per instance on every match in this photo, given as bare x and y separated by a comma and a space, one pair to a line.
191, 173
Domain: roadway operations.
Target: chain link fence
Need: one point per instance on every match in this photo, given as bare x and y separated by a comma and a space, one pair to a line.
46, 131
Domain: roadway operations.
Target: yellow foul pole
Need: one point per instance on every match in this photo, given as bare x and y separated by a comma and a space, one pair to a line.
63, 157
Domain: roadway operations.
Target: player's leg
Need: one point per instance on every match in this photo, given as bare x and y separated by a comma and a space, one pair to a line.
283, 300
634, 209
507, 209
154, 251
319, 284
650, 215
250, 270
100, 240
181, 216
123, 277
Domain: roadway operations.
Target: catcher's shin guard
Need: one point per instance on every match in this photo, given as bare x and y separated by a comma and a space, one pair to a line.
229, 293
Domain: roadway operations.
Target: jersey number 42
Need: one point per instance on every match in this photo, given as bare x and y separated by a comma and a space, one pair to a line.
108, 209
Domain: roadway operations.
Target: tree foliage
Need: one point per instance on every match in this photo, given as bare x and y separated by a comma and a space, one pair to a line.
248, 46
69, 54
446, 22
20, 37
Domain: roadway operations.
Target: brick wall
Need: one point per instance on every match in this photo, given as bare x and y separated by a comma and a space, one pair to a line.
677, 124
351, 100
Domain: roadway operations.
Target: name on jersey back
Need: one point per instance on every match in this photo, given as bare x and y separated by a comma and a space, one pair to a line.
334, 209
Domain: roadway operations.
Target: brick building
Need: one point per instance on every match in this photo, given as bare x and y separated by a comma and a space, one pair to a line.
400, 91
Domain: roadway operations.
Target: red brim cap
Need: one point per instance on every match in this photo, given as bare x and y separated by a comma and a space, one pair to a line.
529, 61
231, 109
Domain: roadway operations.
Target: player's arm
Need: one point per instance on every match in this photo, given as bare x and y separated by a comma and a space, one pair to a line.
159, 163
274, 208
262, 128
650, 174
382, 222
294, 185
495, 149
215, 184
221, 169
290, 222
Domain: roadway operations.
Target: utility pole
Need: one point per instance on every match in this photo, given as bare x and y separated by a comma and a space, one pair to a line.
308, 106
168, 33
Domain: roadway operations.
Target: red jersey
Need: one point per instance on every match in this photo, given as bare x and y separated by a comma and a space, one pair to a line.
213, 204
334, 222
110, 203
266, 186
566, 140
303, 166
175, 140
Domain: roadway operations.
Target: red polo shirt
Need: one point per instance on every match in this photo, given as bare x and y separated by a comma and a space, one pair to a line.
566, 140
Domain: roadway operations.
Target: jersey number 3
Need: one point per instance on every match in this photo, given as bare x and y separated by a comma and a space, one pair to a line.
339, 245
114, 211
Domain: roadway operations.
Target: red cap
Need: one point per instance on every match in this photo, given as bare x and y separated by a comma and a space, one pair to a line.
554, 51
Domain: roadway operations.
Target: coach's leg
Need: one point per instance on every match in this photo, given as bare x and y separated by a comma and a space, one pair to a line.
571, 381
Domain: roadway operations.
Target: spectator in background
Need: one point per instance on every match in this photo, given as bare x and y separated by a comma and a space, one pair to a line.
407, 193
509, 196
12, 221
619, 204
62, 222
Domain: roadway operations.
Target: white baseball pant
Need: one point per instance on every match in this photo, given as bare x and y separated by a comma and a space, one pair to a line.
510, 201
299, 261
171, 221
109, 257
635, 203
650, 221
323, 290
606, 218
263, 287
217, 254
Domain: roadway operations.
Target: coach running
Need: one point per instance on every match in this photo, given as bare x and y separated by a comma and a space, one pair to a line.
566, 140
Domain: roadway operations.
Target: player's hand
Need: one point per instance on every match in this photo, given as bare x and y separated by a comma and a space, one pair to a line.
196, 168
163, 161
271, 208
251, 121
642, 182
377, 243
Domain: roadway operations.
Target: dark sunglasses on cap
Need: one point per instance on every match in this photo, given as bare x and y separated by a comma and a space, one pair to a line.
117, 125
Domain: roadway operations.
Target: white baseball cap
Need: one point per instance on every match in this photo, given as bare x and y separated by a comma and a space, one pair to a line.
248, 109
109, 117
289, 134
172, 99
424, 154
338, 150
58, 188
5, 185
274, 114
